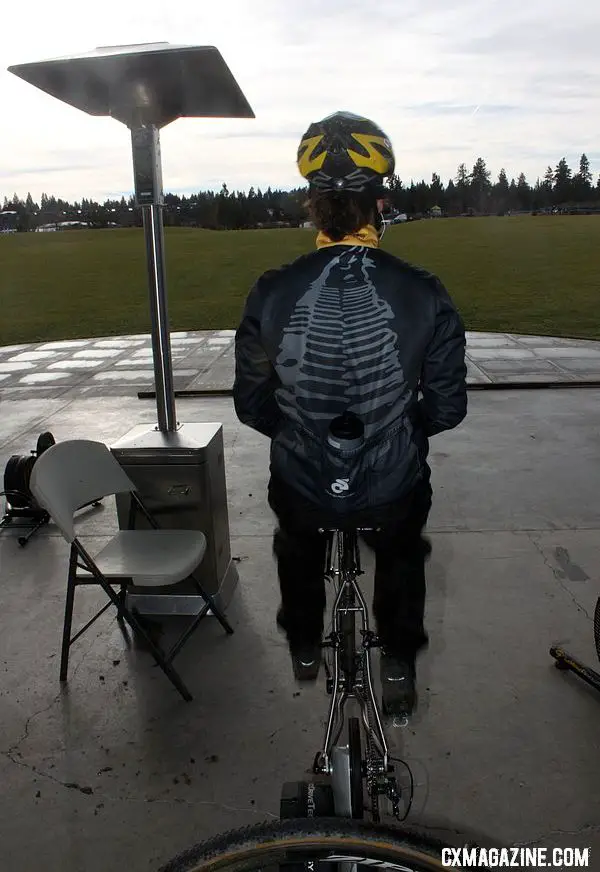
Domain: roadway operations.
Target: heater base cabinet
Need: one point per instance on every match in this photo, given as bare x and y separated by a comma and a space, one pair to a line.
180, 477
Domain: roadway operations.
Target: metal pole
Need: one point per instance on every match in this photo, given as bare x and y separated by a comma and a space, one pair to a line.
149, 195
161, 339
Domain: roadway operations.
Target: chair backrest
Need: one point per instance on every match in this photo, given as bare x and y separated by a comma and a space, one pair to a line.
72, 474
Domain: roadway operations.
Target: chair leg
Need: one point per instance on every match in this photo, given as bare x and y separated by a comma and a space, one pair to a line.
66, 639
158, 655
128, 615
137, 627
213, 607
122, 626
187, 633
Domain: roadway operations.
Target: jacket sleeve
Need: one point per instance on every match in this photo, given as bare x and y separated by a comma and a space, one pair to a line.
444, 373
255, 377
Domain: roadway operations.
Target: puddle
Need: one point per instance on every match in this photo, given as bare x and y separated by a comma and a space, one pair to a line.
124, 375
33, 356
103, 354
15, 367
63, 346
145, 354
40, 378
118, 343
75, 364
10, 349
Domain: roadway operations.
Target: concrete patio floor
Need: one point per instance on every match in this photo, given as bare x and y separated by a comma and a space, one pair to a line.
204, 360
116, 771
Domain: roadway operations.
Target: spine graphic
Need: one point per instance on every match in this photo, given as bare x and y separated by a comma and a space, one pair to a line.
339, 352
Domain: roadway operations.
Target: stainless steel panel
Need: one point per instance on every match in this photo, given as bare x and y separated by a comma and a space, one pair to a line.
149, 83
184, 487
144, 444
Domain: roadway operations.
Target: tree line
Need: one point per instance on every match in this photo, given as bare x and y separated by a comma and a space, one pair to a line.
469, 193
475, 193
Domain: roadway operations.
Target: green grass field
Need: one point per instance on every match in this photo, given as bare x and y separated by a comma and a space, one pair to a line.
523, 274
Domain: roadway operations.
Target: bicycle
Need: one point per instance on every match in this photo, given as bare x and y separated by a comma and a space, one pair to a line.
320, 827
349, 676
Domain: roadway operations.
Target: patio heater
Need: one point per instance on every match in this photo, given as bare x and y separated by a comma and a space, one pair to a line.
178, 468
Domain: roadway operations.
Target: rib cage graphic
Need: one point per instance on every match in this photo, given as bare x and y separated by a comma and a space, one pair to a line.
339, 352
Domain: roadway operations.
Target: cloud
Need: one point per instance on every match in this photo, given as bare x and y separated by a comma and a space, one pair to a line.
555, 38
514, 82
39, 171
435, 108
282, 133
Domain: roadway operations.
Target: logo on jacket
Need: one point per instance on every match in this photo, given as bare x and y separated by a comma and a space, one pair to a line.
339, 486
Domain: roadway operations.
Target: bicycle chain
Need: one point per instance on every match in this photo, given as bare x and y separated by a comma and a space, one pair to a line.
371, 753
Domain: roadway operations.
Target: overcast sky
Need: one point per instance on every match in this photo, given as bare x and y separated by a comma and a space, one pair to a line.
514, 81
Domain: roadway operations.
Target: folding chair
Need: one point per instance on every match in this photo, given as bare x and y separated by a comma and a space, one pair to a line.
75, 473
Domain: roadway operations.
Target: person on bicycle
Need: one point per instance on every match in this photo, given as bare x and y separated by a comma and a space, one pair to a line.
348, 360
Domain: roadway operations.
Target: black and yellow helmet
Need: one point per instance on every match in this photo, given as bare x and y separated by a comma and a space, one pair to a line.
345, 152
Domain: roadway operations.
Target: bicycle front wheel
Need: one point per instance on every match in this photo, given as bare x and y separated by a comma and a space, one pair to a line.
320, 844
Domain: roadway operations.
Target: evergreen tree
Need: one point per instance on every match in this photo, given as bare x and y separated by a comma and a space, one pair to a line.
563, 188
501, 193
462, 188
481, 186
437, 191
523, 193
582, 182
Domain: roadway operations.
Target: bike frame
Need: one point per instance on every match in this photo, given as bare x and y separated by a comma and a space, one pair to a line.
343, 568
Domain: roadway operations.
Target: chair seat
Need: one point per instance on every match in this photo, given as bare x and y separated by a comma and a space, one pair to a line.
152, 557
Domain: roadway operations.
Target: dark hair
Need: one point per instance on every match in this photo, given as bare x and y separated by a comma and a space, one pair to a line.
340, 213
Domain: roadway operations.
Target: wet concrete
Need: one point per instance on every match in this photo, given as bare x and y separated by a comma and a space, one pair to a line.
115, 771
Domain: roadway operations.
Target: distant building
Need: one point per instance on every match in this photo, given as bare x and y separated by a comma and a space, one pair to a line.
436, 212
60, 225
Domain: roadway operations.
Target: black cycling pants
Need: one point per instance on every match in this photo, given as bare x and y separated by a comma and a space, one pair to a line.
400, 556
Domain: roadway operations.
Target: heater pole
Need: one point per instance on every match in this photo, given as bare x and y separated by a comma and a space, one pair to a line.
161, 340
149, 195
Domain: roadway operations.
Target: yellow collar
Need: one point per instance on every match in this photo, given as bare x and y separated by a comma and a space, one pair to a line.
365, 236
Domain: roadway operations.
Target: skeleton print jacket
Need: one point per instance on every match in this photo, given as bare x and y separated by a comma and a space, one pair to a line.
350, 328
